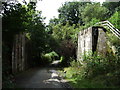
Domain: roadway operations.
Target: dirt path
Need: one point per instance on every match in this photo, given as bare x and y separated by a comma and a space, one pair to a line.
41, 78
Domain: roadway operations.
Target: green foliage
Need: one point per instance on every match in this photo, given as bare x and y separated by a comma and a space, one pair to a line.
95, 72
75, 63
112, 7
61, 32
61, 36
91, 23
76, 76
68, 50
86, 83
115, 19
113, 39
67, 38
54, 21
94, 11
61, 58
17, 18
12, 21
49, 57
70, 72
46, 59
73, 71
95, 64
53, 54
70, 12
25, 18
67, 26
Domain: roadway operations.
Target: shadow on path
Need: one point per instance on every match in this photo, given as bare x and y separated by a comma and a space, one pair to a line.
39, 77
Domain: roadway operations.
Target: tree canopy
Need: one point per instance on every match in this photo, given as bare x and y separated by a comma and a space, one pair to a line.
59, 38
112, 6
70, 12
94, 10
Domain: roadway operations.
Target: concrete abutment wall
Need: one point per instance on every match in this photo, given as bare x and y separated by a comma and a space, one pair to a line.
21, 53
91, 39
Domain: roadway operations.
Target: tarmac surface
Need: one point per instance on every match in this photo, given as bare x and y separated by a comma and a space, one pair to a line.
41, 77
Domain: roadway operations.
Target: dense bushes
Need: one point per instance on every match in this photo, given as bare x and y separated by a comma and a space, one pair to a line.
49, 57
115, 19
96, 71
98, 65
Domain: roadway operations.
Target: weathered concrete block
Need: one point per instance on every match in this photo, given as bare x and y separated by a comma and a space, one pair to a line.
101, 43
18, 52
91, 39
84, 42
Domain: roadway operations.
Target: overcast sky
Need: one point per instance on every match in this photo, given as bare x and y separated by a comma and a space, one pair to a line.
49, 7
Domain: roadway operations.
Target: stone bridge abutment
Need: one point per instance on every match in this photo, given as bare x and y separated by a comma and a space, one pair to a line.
92, 39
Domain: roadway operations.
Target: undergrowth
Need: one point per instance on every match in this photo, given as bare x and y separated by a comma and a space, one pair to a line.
95, 72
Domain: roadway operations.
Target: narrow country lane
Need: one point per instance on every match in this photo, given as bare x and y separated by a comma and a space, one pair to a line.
46, 77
